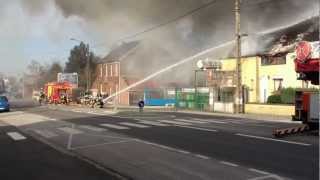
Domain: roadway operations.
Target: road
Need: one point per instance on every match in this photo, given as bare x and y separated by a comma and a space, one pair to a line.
170, 145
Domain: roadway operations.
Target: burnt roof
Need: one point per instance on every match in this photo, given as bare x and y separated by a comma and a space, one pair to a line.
119, 51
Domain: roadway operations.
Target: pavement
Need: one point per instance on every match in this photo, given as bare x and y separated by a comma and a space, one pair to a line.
171, 145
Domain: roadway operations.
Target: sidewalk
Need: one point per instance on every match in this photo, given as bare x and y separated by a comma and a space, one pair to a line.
262, 117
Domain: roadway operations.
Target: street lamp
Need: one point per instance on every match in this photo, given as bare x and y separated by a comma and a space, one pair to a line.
87, 63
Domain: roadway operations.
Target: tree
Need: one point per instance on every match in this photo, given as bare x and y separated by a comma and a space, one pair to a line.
77, 62
52, 72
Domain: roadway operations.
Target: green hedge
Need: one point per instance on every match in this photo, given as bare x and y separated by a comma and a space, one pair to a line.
287, 95
274, 99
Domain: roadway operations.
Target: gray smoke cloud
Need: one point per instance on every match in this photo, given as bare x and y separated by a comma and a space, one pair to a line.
113, 19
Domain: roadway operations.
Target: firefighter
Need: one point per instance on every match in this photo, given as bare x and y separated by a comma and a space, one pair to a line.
141, 105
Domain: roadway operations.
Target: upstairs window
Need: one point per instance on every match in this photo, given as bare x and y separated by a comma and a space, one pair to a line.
273, 60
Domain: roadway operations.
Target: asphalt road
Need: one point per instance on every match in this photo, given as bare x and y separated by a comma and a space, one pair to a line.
168, 145
23, 157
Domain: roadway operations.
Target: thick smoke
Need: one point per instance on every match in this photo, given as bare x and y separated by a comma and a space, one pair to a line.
114, 19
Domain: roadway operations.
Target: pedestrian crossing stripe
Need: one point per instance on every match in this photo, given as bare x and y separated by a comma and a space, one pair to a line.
134, 125
191, 121
16, 136
175, 122
153, 123
114, 126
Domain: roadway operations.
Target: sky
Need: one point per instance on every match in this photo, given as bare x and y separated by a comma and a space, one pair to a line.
41, 29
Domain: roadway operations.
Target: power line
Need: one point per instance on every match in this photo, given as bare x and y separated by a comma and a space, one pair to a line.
164, 23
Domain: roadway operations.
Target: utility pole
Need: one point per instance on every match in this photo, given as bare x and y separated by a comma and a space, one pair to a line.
87, 68
238, 94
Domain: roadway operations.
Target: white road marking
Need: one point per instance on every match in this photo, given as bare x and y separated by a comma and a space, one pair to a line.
197, 128
92, 128
191, 121
114, 126
229, 163
16, 136
102, 144
259, 171
271, 139
134, 125
202, 156
152, 123
69, 130
96, 113
52, 119
164, 147
77, 111
175, 122
209, 121
45, 133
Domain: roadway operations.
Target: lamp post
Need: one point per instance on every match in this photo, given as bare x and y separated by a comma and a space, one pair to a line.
87, 63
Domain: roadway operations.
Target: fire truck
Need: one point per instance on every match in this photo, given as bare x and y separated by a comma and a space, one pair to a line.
307, 65
58, 92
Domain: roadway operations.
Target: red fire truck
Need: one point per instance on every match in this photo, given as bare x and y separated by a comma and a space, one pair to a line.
54, 91
307, 65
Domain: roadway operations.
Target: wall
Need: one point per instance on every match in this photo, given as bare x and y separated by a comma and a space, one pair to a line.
249, 74
223, 107
278, 110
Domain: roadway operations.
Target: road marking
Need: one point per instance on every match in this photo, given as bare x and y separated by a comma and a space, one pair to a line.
209, 121
202, 156
175, 122
114, 126
45, 133
197, 128
271, 139
164, 147
96, 113
134, 125
92, 128
102, 144
77, 111
69, 130
259, 171
190, 121
229, 163
16, 136
152, 123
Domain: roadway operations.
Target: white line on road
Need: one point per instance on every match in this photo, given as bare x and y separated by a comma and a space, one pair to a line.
175, 122
45, 133
69, 130
16, 136
229, 163
197, 128
164, 147
259, 171
134, 125
202, 156
92, 128
102, 144
190, 121
96, 113
114, 126
209, 121
271, 139
153, 123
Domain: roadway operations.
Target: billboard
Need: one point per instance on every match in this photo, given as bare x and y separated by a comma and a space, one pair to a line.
71, 78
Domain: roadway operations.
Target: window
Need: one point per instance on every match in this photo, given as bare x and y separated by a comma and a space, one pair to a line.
106, 70
277, 84
116, 69
101, 70
273, 60
111, 73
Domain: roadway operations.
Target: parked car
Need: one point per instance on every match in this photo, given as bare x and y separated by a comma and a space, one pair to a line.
4, 104
35, 95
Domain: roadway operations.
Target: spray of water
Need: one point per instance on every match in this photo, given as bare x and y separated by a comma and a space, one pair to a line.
168, 68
